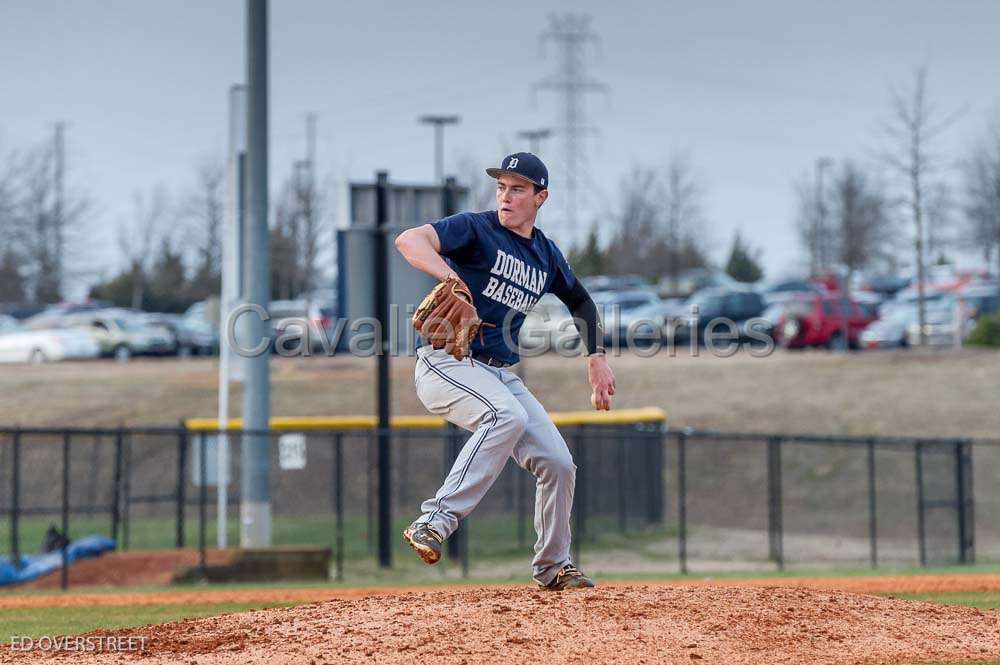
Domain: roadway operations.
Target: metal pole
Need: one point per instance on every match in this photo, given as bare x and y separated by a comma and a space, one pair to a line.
439, 121
381, 267
970, 509
202, 503
453, 445
15, 501
232, 288
918, 455
774, 499
622, 495
522, 505
338, 502
960, 495
116, 498
64, 573
682, 501
127, 491
580, 498
255, 509
182, 444
872, 512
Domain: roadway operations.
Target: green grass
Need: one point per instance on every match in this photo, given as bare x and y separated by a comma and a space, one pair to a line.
984, 600
489, 537
38, 621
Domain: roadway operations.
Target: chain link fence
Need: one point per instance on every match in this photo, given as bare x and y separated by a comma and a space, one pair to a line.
648, 500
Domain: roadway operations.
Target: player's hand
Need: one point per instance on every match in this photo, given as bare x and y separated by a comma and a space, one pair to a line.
602, 382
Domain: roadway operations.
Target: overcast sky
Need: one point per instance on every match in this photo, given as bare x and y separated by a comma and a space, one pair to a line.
754, 92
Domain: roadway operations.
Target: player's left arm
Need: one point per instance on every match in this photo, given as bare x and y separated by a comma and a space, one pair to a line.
588, 322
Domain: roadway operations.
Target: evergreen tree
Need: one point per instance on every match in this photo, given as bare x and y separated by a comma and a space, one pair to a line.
588, 260
743, 264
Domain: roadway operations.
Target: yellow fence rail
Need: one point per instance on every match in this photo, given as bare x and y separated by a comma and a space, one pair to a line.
649, 414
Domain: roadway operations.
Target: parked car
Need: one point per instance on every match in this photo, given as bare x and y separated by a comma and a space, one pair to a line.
691, 281
981, 298
943, 320
320, 316
548, 326
653, 321
120, 334
789, 288
817, 321
20, 344
190, 336
598, 283
617, 308
889, 330
737, 305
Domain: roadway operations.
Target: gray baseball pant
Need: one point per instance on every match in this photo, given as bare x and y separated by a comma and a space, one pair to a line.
506, 421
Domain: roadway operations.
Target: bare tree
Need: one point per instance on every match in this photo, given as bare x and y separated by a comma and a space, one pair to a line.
682, 212
482, 188
862, 222
656, 223
913, 126
982, 196
136, 239
202, 208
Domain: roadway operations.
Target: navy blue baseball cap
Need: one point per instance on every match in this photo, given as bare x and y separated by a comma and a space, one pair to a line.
524, 165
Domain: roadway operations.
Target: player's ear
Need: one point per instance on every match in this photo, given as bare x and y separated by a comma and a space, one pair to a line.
540, 198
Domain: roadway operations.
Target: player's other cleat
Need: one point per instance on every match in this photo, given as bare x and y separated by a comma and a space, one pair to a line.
425, 541
569, 577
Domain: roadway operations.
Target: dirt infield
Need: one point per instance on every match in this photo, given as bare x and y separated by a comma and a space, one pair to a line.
137, 568
860, 584
652, 624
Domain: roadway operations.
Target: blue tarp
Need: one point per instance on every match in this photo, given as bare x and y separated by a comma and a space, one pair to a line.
35, 565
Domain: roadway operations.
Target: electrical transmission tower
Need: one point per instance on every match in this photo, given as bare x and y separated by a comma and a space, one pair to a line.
571, 33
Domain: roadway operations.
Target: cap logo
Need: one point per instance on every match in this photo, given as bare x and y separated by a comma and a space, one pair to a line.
543, 181
512, 164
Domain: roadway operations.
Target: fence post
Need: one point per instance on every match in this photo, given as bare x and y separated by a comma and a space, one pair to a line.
774, 501
202, 501
522, 504
370, 494
919, 462
960, 491
622, 461
970, 503
126, 489
682, 500
15, 500
64, 573
872, 506
451, 449
116, 491
338, 501
182, 442
656, 474
580, 495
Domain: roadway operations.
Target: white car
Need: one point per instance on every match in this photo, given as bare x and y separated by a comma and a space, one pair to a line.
547, 327
19, 344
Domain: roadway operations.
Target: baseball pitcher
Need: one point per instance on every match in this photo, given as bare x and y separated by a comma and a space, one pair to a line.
493, 267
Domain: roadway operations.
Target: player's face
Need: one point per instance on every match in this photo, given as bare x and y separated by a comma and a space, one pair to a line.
517, 202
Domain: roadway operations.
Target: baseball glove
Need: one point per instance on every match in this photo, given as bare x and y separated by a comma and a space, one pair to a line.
447, 319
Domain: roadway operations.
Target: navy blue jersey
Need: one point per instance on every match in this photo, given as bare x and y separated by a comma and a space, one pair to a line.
506, 273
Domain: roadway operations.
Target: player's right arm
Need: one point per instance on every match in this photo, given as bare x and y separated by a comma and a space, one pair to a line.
421, 248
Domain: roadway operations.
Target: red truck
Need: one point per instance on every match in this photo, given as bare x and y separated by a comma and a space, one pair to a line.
815, 320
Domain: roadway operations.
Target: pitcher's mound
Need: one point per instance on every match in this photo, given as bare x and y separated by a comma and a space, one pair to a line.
623, 624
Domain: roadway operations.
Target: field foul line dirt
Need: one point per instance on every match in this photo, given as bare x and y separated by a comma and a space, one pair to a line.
882, 584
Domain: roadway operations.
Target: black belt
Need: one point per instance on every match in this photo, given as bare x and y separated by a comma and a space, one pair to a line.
487, 359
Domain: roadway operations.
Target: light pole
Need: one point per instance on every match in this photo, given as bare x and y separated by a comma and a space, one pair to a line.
439, 121
534, 137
